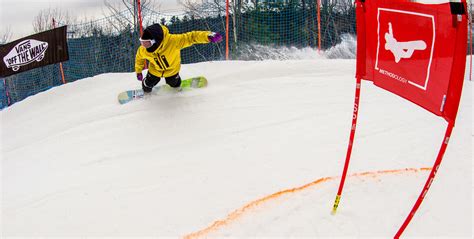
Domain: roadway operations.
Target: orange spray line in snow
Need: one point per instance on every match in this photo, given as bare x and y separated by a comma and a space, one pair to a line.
239, 212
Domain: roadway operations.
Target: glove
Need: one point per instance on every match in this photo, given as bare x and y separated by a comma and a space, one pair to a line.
214, 37
139, 76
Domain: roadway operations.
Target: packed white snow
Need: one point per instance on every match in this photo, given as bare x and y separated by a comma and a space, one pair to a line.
77, 163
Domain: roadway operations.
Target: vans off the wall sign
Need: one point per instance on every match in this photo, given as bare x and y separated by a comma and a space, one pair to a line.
25, 53
34, 51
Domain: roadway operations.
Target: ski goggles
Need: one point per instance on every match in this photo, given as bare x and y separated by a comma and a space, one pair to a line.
147, 43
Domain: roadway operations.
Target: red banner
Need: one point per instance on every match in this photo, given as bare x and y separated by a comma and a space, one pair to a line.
415, 50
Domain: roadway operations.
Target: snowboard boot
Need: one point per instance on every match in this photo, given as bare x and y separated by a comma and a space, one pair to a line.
146, 89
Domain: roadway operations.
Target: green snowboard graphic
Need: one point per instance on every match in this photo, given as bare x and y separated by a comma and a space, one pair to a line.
187, 84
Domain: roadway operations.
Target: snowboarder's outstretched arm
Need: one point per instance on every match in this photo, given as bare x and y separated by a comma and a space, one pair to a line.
195, 37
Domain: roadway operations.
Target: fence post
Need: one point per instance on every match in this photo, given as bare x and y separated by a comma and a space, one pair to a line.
61, 70
227, 30
318, 2
7, 94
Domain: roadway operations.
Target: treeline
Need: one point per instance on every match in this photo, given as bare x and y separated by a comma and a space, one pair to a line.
280, 23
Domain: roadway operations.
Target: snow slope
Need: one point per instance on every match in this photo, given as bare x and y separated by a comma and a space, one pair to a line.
217, 161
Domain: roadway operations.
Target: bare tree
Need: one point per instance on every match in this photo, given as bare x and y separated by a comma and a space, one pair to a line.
44, 20
5, 35
213, 8
125, 14
206, 8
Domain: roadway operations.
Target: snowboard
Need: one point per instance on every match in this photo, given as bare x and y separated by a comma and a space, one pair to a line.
187, 84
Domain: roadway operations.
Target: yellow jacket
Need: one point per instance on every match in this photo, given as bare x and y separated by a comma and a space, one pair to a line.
165, 61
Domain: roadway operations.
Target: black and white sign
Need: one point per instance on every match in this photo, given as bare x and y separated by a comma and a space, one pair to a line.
38, 50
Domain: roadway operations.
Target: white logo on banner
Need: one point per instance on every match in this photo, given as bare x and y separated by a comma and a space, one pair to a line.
25, 53
401, 49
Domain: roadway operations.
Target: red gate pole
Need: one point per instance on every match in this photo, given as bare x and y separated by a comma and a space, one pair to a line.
349, 148
140, 23
430, 180
140, 17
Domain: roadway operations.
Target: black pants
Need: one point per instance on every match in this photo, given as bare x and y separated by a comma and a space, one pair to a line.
151, 80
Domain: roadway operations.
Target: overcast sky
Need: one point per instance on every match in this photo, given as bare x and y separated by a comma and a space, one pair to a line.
18, 15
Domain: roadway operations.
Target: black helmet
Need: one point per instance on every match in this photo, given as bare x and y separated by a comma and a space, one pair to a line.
153, 32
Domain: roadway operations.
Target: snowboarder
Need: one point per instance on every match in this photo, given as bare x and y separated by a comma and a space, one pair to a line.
163, 52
